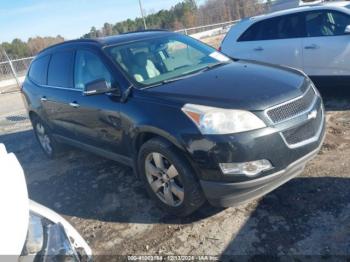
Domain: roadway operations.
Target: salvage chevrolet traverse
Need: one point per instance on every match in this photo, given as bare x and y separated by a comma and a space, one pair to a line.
194, 124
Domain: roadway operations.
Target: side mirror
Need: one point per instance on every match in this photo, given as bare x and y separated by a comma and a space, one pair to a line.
347, 30
97, 87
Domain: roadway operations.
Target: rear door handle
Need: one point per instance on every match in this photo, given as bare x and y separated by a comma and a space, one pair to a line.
259, 48
74, 104
43, 99
311, 47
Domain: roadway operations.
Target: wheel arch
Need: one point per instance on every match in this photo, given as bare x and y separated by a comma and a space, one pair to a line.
144, 134
32, 114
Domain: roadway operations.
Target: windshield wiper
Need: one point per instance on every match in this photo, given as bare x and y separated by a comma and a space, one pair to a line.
188, 74
211, 66
178, 78
166, 81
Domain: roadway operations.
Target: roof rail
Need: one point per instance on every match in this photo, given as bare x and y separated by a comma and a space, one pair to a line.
97, 40
146, 30
87, 40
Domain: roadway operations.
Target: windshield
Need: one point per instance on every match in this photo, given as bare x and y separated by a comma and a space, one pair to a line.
159, 60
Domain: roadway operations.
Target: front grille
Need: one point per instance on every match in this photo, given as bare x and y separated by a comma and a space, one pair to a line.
293, 108
305, 131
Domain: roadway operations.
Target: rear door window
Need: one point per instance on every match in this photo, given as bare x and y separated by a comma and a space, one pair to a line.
60, 72
282, 27
326, 23
38, 70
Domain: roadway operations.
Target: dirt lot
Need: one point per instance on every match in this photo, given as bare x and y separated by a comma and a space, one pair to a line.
214, 40
309, 215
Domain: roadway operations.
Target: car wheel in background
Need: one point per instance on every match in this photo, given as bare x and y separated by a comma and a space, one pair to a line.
44, 136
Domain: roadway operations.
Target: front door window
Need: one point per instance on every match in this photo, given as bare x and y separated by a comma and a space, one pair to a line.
89, 68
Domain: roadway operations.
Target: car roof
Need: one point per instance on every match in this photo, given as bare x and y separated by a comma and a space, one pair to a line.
337, 3
132, 36
305, 7
109, 40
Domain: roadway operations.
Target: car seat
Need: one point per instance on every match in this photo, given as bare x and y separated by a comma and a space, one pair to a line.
143, 68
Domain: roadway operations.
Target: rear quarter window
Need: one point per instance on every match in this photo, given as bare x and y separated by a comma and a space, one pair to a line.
250, 34
38, 70
60, 72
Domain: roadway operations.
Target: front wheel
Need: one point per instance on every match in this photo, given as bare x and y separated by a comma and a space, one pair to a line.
169, 179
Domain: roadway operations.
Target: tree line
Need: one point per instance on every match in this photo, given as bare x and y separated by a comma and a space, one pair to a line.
183, 15
18, 48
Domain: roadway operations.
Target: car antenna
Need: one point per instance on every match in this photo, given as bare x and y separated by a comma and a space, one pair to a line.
126, 94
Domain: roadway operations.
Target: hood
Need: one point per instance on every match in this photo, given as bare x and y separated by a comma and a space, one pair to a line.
242, 85
14, 205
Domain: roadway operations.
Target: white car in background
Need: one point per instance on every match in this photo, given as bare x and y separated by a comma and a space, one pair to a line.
30, 231
314, 38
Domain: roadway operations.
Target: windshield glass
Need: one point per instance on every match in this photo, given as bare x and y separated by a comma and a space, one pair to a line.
159, 60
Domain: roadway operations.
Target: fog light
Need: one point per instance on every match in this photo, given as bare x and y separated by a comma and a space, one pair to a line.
252, 168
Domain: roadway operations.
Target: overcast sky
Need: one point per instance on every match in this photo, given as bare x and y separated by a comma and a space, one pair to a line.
69, 18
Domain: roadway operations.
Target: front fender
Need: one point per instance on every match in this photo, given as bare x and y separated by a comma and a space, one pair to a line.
147, 129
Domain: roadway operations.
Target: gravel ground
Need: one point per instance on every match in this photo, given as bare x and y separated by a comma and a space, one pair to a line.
309, 215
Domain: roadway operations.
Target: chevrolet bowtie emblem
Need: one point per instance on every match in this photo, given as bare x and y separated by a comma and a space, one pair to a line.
312, 114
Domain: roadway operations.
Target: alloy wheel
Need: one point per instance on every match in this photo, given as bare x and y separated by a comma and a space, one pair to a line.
43, 138
164, 179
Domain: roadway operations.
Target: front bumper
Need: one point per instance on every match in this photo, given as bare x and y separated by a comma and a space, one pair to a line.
287, 144
206, 152
232, 194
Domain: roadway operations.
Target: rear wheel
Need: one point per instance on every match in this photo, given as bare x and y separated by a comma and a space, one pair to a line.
169, 179
46, 141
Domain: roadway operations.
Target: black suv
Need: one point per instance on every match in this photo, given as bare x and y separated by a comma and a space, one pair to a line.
193, 123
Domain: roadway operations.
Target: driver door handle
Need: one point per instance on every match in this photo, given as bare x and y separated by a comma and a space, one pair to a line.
259, 48
43, 99
74, 104
311, 47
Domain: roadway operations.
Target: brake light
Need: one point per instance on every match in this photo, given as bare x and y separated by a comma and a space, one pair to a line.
219, 49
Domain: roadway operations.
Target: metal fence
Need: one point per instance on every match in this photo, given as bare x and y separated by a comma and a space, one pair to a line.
204, 31
12, 72
18, 67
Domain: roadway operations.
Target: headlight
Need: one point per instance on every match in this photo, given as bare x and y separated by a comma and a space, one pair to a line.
35, 236
312, 85
45, 238
220, 121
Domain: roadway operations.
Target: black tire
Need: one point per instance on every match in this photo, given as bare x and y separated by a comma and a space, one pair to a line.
55, 147
192, 198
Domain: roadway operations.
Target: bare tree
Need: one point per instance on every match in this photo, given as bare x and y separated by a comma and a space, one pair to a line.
38, 43
214, 11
